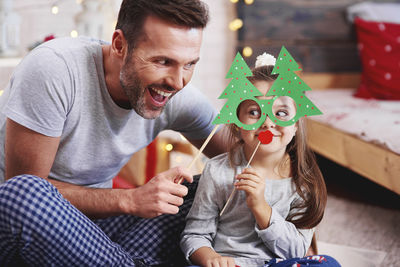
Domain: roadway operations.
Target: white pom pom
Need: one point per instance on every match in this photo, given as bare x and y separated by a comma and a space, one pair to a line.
265, 60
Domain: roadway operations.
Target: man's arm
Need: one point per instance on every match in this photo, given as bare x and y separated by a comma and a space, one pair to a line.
217, 144
29, 152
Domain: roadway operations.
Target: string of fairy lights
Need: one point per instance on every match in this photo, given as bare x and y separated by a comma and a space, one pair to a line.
55, 10
247, 51
237, 23
234, 25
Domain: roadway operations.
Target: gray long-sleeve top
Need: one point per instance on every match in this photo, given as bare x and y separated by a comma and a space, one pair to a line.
235, 233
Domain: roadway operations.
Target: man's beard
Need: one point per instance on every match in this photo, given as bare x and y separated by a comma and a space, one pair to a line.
135, 90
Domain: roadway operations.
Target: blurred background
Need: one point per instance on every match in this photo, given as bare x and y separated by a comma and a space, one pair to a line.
362, 222
316, 32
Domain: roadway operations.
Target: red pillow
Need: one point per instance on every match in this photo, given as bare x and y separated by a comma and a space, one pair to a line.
379, 47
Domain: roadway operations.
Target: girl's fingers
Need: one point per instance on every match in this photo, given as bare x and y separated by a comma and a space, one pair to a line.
247, 182
245, 176
250, 171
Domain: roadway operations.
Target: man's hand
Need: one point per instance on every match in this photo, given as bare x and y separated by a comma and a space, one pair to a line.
160, 195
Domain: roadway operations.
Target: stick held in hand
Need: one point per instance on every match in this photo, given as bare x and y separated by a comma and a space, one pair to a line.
201, 149
234, 190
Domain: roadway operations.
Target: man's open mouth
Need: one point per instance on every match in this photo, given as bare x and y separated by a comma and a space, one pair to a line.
159, 97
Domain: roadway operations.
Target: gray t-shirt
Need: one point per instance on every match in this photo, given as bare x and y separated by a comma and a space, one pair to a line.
235, 233
59, 89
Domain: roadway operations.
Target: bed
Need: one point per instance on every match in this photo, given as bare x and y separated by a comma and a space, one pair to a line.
362, 135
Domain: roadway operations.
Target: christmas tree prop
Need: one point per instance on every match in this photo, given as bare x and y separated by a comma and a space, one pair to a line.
237, 91
286, 84
289, 84
240, 89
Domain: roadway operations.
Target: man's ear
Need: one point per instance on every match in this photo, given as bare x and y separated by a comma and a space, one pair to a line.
119, 45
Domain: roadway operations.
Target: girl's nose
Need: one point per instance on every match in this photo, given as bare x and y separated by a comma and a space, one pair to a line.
268, 123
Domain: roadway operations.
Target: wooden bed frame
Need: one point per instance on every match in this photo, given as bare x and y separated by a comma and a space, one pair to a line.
372, 161
369, 160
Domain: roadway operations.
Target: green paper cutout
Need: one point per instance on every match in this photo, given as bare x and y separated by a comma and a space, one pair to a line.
238, 90
287, 83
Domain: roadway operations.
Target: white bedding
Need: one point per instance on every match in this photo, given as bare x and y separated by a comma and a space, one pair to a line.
374, 121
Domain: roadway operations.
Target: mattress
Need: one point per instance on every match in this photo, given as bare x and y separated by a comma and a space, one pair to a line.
375, 121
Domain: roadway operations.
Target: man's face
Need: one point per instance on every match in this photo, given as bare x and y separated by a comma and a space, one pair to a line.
161, 64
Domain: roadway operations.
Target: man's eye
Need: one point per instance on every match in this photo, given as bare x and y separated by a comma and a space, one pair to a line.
162, 62
189, 65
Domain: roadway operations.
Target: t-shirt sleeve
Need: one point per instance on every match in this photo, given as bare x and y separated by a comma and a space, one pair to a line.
41, 93
192, 114
283, 238
201, 222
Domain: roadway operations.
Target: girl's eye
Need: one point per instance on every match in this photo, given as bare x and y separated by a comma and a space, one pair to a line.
282, 113
255, 113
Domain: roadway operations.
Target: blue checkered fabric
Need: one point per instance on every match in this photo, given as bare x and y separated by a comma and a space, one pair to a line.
38, 227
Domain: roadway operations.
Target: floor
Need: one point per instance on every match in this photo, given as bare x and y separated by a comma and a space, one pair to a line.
360, 213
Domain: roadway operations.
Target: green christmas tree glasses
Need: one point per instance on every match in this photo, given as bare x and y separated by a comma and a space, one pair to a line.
288, 85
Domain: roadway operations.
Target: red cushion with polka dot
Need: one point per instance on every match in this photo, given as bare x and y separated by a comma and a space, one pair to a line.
379, 47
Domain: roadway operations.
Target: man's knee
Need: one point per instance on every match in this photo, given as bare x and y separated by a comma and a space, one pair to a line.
26, 181
24, 187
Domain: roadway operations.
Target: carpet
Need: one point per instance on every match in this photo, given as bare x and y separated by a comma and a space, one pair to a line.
351, 256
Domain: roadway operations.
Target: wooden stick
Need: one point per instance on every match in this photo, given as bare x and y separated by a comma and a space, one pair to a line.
234, 189
201, 149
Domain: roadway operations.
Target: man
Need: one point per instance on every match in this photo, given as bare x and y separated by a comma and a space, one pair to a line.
74, 112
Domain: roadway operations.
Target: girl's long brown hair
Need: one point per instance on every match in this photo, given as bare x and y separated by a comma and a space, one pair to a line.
306, 175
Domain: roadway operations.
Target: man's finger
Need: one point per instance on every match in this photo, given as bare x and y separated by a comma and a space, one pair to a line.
177, 173
174, 200
178, 190
169, 209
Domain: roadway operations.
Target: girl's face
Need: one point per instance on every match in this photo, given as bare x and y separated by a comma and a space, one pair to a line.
284, 109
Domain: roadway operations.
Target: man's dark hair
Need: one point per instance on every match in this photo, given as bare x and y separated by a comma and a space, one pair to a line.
132, 14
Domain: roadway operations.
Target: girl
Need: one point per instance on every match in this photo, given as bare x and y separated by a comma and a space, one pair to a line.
278, 202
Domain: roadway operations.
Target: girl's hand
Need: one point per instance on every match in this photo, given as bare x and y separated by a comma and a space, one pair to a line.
254, 186
207, 257
221, 261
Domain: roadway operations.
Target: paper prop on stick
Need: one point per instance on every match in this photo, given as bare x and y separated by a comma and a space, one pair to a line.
237, 91
263, 138
287, 84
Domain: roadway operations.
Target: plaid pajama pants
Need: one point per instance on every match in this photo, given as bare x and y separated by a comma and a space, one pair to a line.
38, 227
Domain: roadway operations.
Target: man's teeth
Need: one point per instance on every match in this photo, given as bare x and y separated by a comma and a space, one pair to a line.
161, 92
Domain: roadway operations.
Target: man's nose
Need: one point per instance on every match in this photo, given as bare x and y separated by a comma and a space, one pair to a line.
176, 78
